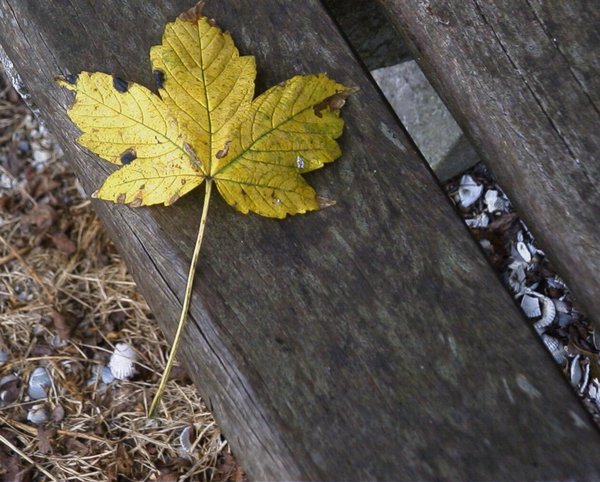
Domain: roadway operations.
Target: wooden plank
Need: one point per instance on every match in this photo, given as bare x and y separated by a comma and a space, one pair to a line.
524, 84
367, 341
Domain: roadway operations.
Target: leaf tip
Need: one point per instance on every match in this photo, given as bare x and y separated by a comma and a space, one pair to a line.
193, 14
67, 81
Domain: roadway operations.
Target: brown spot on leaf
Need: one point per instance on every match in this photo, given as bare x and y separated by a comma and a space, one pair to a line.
335, 102
194, 158
193, 14
120, 85
136, 203
183, 181
223, 152
121, 198
159, 78
71, 78
128, 156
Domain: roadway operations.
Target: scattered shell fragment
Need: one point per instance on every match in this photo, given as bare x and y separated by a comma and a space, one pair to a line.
121, 362
478, 222
575, 371
586, 376
41, 157
594, 391
38, 414
107, 375
39, 383
516, 276
9, 388
524, 252
495, 202
548, 314
561, 306
555, 347
531, 306
469, 191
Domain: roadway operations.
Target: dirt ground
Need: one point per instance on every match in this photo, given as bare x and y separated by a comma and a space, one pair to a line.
66, 302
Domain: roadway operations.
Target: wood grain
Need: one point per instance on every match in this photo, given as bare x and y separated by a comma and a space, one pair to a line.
524, 83
367, 341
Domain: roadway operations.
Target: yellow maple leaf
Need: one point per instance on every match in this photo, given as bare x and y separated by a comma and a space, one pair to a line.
206, 127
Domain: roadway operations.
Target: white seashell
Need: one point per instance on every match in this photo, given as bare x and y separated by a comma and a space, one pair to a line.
575, 371
58, 342
185, 439
38, 415
7, 379
564, 319
533, 250
586, 377
479, 221
41, 156
561, 306
121, 361
5, 387
594, 391
530, 306
516, 276
39, 383
555, 347
469, 191
486, 245
495, 202
548, 314
7, 182
107, 375
524, 252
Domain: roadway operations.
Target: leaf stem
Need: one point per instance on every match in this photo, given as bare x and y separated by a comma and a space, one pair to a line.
186, 304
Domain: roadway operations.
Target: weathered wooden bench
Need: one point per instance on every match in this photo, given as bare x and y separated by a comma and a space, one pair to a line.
370, 340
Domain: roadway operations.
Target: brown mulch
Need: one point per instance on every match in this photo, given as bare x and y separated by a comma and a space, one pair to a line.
66, 301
